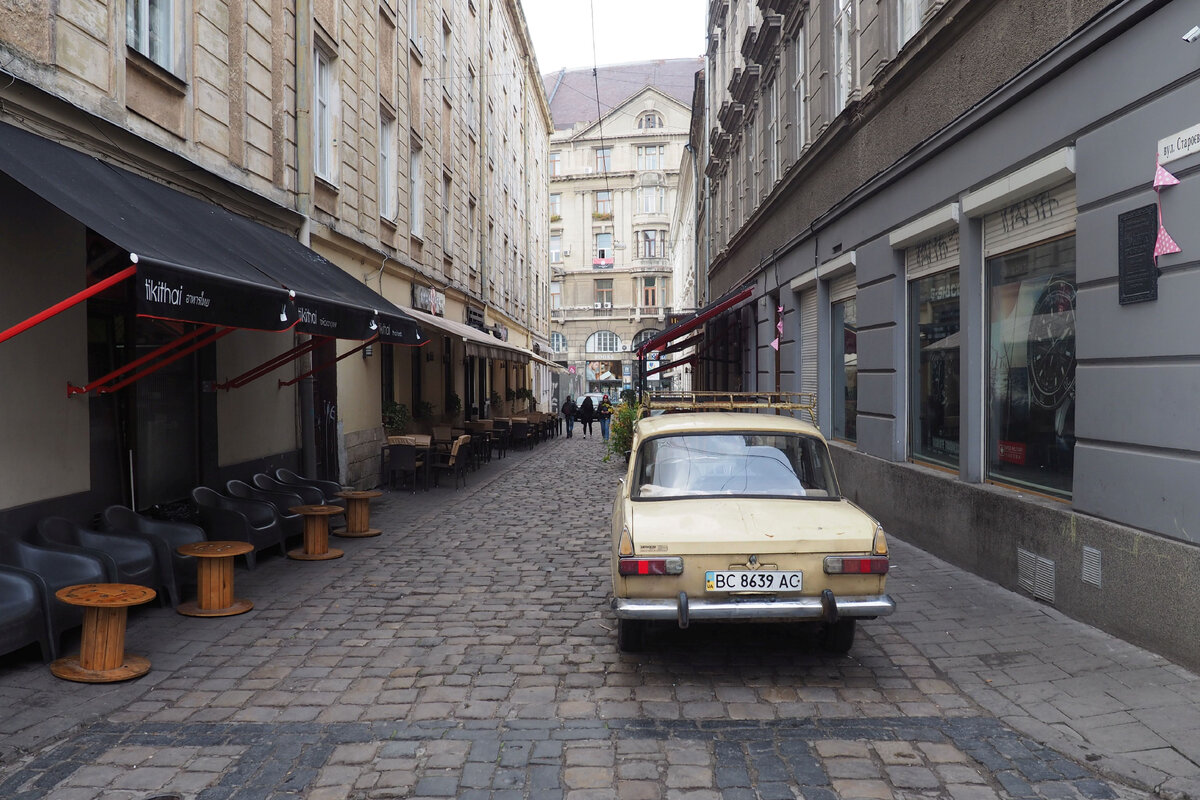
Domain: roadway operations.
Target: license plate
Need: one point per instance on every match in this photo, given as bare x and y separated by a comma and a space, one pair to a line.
758, 580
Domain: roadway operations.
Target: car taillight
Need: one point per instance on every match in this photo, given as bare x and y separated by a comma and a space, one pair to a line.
856, 565
650, 566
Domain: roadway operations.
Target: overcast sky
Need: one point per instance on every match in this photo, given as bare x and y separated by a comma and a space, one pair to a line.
626, 31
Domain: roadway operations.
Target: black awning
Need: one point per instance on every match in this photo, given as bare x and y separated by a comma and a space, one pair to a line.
196, 261
718, 306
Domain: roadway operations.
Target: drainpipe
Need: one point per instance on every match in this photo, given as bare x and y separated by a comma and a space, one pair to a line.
304, 183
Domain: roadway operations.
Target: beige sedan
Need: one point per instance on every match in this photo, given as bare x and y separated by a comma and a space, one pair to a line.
737, 517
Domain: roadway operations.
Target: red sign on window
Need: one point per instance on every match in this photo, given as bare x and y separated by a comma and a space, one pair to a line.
1012, 452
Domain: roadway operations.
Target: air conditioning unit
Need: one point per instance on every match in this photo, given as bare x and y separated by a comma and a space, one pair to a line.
595, 305
566, 253
608, 305
624, 348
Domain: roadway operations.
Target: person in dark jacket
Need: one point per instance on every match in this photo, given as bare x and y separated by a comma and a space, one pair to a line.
569, 410
587, 413
605, 412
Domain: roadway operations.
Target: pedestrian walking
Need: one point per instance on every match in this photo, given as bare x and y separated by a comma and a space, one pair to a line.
587, 413
569, 410
605, 412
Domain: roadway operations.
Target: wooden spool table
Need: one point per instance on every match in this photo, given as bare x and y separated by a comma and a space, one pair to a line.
316, 533
102, 657
214, 579
358, 515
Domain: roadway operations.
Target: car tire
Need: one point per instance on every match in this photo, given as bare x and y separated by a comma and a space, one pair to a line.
838, 637
631, 635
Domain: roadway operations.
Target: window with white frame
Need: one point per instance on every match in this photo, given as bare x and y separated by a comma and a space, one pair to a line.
799, 87
604, 204
447, 216
416, 190
387, 166
555, 163
650, 156
150, 30
447, 47
415, 9
651, 244
843, 52
650, 120
324, 103
643, 336
908, 20
556, 255
555, 206
651, 199
558, 342
604, 249
604, 342
603, 159
472, 101
472, 236
769, 154
752, 167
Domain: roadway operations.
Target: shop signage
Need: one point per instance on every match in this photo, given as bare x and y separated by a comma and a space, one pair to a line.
1178, 145
429, 300
1137, 232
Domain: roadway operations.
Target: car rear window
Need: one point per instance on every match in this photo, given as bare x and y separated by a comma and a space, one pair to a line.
723, 464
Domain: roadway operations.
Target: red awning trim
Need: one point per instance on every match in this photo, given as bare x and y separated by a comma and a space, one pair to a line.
63, 305
686, 343
137, 362
694, 322
100, 388
272, 364
329, 364
672, 365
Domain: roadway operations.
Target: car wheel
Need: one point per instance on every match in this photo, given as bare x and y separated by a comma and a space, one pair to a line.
839, 636
631, 635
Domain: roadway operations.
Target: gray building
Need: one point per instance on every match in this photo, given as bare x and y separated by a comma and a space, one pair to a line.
951, 208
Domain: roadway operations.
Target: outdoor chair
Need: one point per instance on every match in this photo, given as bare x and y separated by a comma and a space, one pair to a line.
328, 488
521, 435
311, 495
54, 568
454, 462
169, 536
129, 558
24, 612
403, 461
283, 502
234, 518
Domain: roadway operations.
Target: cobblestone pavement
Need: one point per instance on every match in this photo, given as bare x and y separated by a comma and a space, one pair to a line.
469, 652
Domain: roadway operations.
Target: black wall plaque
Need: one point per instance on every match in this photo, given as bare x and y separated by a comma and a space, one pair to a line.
1137, 232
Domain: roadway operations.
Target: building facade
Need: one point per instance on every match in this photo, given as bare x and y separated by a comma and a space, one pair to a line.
330, 171
961, 239
616, 248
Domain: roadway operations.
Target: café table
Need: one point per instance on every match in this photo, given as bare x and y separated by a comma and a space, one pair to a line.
102, 657
316, 533
214, 579
358, 514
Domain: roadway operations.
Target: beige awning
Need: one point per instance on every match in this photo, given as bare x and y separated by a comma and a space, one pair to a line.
475, 342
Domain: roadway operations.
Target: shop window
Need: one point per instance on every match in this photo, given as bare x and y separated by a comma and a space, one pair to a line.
934, 355
845, 370
1031, 376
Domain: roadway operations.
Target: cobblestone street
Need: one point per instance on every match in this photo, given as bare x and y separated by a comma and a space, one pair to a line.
469, 652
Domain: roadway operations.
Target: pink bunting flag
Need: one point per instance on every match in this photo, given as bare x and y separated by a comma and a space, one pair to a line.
775, 343
1163, 178
1165, 244
779, 327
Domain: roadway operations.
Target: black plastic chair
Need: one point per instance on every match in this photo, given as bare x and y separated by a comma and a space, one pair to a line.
291, 522
328, 488
55, 568
402, 461
132, 559
24, 612
311, 495
169, 536
233, 518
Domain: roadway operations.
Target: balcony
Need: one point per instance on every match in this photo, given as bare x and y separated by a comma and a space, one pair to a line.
748, 42
745, 82
723, 145
730, 116
782, 6
718, 10
762, 49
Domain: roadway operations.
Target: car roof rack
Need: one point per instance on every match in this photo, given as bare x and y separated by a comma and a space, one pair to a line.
733, 401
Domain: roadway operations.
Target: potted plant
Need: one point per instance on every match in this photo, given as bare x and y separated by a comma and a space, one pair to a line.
396, 418
423, 410
453, 405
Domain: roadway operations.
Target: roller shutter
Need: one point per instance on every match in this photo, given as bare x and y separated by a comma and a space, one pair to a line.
1042, 216
808, 340
936, 254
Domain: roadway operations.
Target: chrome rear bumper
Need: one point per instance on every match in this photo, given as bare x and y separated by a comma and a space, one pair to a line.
684, 608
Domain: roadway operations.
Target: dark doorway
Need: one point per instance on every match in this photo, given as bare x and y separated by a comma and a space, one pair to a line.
325, 410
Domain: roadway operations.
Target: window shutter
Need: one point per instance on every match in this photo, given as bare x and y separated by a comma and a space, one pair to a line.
808, 341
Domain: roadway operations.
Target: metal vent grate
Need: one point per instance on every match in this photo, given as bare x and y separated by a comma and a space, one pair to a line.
1091, 566
1035, 575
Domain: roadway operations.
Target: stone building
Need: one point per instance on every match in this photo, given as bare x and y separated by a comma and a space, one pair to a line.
273, 219
950, 209
614, 186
